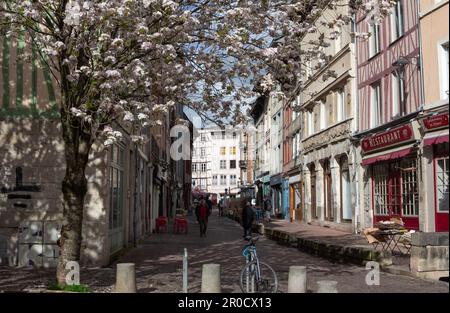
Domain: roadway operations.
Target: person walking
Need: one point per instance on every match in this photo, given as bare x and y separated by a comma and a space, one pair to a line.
248, 216
202, 217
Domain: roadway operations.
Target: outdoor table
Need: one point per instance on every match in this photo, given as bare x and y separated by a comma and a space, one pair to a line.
392, 237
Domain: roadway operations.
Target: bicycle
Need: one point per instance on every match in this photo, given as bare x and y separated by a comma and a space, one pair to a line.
257, 276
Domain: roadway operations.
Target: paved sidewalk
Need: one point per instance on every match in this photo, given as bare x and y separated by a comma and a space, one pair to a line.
332, 244
158, 260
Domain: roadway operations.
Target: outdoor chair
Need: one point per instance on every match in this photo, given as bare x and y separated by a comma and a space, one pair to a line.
161, 223
405, 240
373, 239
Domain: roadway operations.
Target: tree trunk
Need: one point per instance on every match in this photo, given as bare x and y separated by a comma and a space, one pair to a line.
74, 189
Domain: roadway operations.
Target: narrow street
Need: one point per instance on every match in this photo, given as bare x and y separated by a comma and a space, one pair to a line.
158, 260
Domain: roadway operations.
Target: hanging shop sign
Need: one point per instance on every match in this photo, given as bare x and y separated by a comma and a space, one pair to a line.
436, 121
387, 138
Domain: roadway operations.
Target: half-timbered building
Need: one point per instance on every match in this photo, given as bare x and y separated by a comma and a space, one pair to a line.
389, 96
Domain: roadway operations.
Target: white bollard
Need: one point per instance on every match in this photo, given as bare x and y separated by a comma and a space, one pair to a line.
327, 286
185, 271
126, 278
297, 279
211, 278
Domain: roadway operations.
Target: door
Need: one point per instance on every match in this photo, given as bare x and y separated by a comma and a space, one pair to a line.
441, 190
292, 203
313, 194
327, 191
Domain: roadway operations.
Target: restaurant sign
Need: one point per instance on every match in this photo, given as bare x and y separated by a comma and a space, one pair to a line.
387, 138
436, 121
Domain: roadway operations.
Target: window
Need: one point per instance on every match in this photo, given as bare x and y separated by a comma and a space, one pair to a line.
443, 65
346, 195
375, 105
214, 180
310, 123
233, 150
232, 164
340, 105
374, 42
223, 134
397, 21
232, 179
223, 150
397, 96
223, 164
337, 39
234, 135
223, 180
442, 184
323, 116
213, 135
380, 190
194, 167
396, 189
203, 167
203, 152
203, 137
116, 174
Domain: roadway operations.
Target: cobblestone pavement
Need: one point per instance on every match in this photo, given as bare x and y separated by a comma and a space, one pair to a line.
158, 261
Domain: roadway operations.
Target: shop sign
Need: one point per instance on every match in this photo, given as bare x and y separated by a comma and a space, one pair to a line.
436, 121
275, 180
387, 138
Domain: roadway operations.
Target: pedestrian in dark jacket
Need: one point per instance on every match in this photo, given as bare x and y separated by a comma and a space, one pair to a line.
202, 216
248, 216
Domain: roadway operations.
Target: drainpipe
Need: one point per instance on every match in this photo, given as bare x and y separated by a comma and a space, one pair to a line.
422, 87
135, 192
356, 127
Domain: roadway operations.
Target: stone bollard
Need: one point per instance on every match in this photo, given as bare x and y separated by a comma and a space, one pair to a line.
327, 286
211, 278
126, 278
297, 279
260, 228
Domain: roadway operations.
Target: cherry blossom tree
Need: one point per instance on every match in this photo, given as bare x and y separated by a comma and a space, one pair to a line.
129, 61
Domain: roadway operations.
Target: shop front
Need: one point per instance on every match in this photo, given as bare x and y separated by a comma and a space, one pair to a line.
296, 196
276, 194
435, 145
390, 159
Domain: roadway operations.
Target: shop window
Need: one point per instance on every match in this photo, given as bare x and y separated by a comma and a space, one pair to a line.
410, 191
380, 192
116, 178
395, 189
442, 179
346, 195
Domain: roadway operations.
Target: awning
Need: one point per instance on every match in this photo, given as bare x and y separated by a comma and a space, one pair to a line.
387, 156
435, 140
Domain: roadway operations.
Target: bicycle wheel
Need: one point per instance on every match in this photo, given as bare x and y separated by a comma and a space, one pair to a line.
268, 282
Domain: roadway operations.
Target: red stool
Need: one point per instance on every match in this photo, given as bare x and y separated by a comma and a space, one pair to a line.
161, 223
180, 225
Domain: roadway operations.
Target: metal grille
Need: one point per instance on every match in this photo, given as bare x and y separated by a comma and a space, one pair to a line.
410, 192
381, 190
